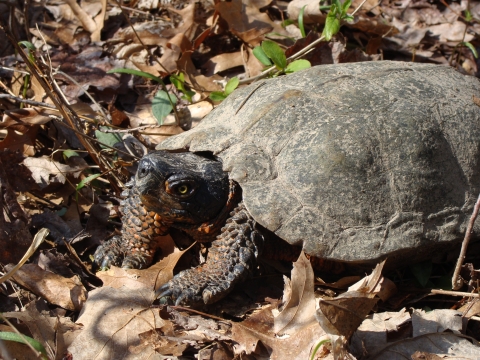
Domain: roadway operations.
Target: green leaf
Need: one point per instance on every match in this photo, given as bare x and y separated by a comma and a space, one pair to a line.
472, 49
161, 105
318, 347
346, 6
422, 272
332, 25
10, 336
217, 96
300, 21
337, 4
231, 85
136, 73
261, 56
31, 49
188, 95
348, 18
274, 52
177, 82
298, 65
69, 153
325, 7
468, 15
86, 181
287, 22
107, 138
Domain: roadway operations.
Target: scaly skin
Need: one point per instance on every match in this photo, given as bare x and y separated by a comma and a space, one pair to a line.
231, 259
141, 231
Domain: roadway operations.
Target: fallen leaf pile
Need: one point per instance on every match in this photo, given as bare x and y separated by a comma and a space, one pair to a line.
75, 119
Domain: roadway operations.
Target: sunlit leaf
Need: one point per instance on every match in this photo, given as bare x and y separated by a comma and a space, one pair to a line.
217, 96
10, 336
332, 25
161, 105
472, 49
231, 85
275, 53
69, 153
86, 181
346, 5
109, 139
261, 56
300, 21
298, 65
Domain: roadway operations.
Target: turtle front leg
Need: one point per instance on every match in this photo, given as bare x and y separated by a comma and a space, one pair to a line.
141, 231
230, 260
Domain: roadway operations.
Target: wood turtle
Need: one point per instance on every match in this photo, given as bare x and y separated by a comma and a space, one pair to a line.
353, 163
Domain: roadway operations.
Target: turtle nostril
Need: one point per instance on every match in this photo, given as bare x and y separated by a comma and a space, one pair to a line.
143, 170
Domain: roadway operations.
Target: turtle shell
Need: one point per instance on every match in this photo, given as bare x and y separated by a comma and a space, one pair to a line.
354, 162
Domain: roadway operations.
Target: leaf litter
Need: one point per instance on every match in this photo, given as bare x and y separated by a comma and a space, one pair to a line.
75, 195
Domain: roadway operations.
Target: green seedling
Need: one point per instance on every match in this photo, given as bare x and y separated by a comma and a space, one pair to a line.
179, 82
336, 14
159, 107
300, 21
222, 95
269, 53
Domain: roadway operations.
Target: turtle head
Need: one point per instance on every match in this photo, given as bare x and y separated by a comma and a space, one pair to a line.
182, 187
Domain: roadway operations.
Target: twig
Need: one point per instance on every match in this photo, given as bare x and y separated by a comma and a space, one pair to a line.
457, 281
131, 130
453, 293
26, 101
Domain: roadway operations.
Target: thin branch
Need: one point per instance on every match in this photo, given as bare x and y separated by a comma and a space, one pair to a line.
457, 281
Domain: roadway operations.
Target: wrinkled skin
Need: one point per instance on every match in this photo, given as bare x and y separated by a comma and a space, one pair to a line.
191, 193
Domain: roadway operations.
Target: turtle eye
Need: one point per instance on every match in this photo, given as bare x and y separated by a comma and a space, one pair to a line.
180, 188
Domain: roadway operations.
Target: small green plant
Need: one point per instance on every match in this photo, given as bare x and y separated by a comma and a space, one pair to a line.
301, 26
269, 53
315, 349
337, 12
23, 339
179, 82
163, 103
221, 95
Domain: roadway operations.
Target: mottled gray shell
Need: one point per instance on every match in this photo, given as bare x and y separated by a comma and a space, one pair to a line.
354, 161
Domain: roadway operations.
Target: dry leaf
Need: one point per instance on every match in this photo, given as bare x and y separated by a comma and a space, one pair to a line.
68, 293
299, 309
112, 320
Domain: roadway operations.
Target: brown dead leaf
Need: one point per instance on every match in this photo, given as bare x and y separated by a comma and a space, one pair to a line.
53, 331
68, 293
151, 278
299, 308
311, 14
112, 319
223, 62
295, 323
22, 142
343, 314
386, 334
21, 119
187, 26
244, 15
256, 333
199, 82
46, 172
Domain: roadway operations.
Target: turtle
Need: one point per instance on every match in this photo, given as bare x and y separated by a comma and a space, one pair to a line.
352, 163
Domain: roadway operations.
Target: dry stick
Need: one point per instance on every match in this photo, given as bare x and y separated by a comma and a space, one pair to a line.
26, 101
457, 281
453, 293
